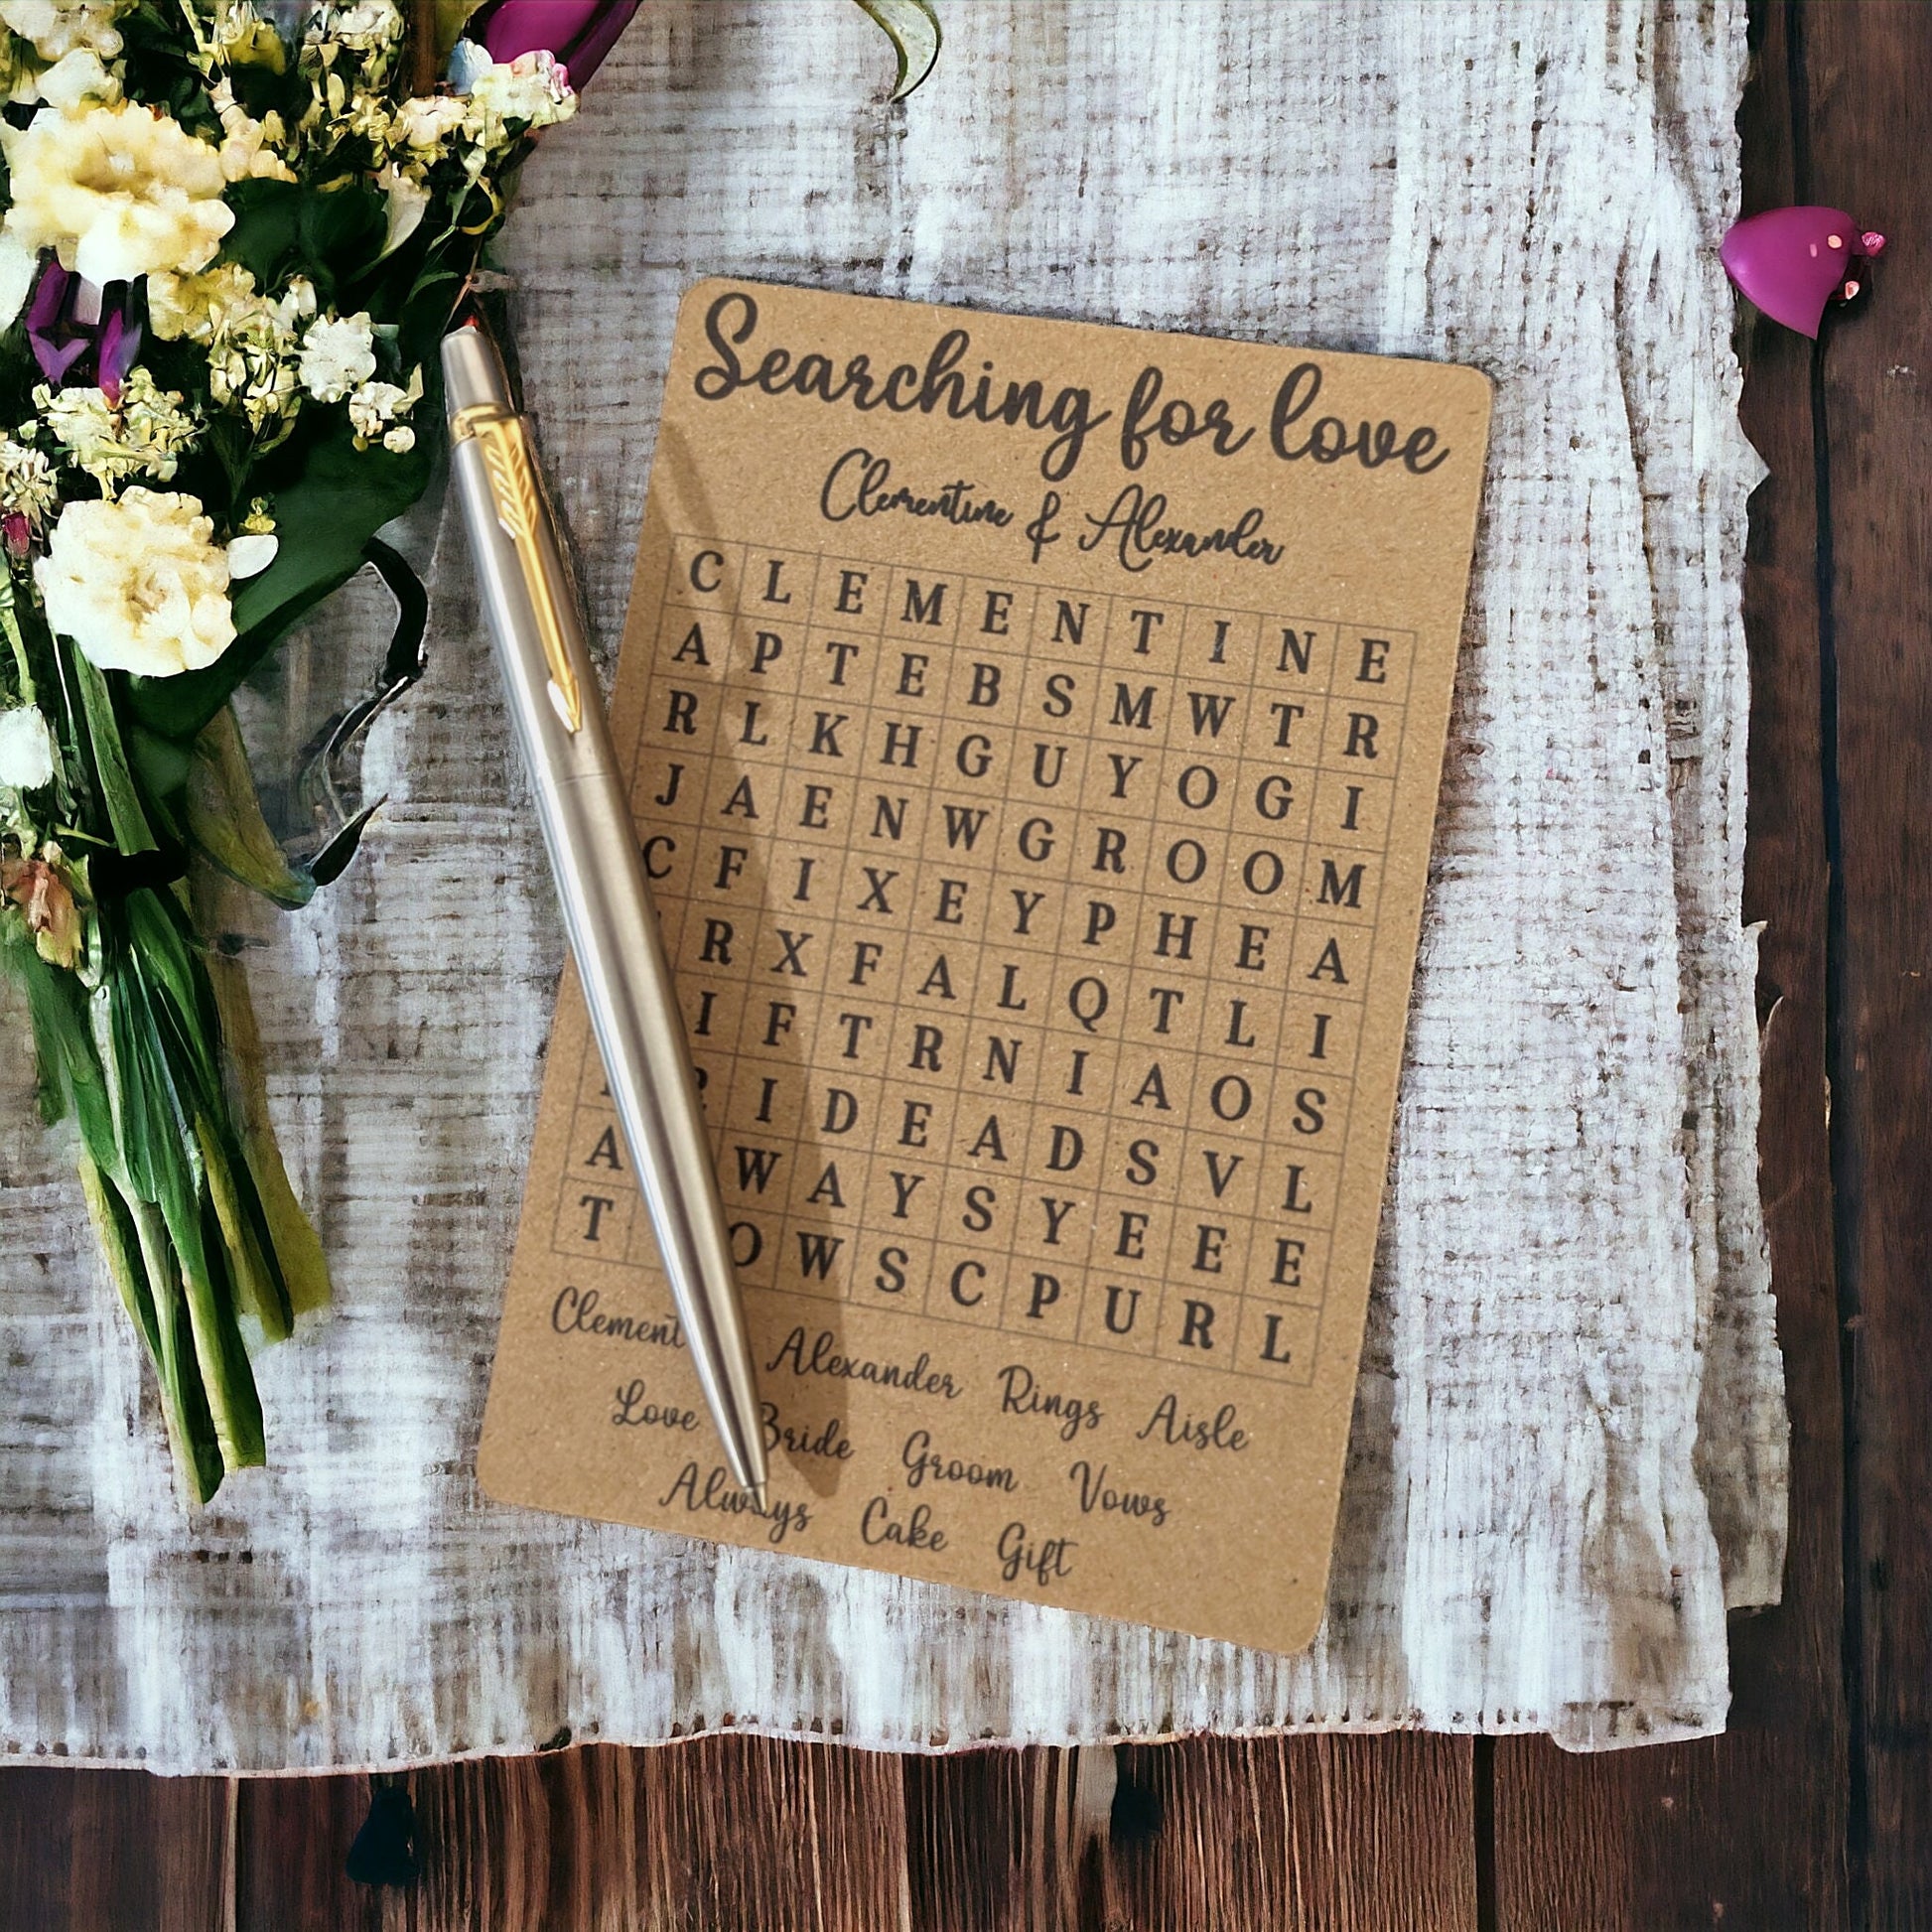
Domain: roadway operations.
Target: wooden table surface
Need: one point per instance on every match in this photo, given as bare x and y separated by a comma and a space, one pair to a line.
1815, 1811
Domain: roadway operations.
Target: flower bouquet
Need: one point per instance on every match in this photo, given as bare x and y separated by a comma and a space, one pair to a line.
231, 236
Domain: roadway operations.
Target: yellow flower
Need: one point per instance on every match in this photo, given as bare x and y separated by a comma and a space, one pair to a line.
117, 191
57, 27
200, 306
248, 147
139, 585
142, 432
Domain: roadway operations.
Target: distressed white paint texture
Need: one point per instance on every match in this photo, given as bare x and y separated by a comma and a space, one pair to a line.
1568, 1448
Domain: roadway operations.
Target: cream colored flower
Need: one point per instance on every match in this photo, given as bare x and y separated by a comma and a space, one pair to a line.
57, 27
248, 145
408, 203
76, 79
26, 749
366, 27
530, 92
116, 192
426, 123
251, 339
143, 431
198, 307
252, 553
250, 370
374, 407
241, 38
338, 355
17, 266
28, 488
139, 585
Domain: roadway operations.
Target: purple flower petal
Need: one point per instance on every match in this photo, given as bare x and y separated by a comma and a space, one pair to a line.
120, 344
45, 309
578, 32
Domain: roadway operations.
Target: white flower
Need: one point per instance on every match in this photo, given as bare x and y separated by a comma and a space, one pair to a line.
296, 304
78, 77
248, 145
26, 749
143, 431
250, 554
408, 203
139, 585
17, 264
57, 27
426, 122
338, 355
250, 340
116, 192
241, 38
200, 306
28, 488
374, 407
367, 27
530, 91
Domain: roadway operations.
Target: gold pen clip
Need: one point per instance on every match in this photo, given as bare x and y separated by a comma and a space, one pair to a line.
518, 496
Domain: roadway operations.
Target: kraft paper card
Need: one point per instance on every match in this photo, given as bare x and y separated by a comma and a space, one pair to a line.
1035, 732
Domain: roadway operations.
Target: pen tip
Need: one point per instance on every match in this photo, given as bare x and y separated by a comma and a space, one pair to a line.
757, 1492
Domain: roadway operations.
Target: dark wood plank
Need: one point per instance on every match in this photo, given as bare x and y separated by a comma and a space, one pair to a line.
748, 1833
1293, 1835
103, 1850
291, 1838
994, 1841
1748, 1829
716, 1834
1869, 68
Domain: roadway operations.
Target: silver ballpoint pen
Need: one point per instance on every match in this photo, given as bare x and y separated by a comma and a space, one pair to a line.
538, 632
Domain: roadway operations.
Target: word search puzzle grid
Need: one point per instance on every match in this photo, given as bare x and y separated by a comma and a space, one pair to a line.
1021, 935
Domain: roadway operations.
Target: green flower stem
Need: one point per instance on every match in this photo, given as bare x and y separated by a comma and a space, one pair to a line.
191, 1430
10, 622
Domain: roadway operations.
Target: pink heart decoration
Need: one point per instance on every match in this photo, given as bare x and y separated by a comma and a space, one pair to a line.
1791, 261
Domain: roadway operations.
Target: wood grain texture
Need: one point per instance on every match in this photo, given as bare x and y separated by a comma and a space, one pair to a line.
1302, 1834
1569, 1445
1753, 1822
1328, 1834
101, 1850
1869, 105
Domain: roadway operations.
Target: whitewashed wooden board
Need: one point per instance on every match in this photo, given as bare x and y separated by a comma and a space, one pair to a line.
1568, 1450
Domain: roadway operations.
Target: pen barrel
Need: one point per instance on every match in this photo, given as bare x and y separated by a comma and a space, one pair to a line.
587, 831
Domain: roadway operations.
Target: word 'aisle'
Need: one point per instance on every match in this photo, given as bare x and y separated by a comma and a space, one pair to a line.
1034, 733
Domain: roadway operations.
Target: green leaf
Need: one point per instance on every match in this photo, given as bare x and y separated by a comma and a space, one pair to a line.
174, 1168
191, 1428
912, 27
224, 818
70, 1069
120, 1248
117, 789
324, 519
304, 1272
268, 216
251, 1262
172, 970
341, 231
